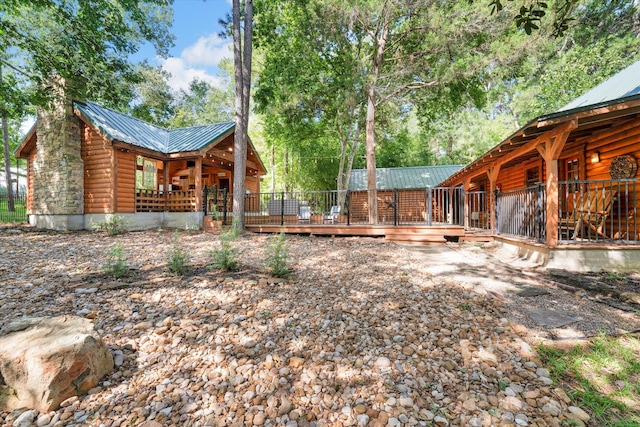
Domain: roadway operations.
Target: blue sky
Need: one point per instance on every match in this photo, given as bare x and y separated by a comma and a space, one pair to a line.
198, 48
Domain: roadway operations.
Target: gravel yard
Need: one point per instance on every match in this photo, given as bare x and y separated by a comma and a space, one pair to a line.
362, 333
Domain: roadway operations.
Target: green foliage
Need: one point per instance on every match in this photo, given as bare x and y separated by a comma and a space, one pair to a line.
178, 258
112, 225
602, 377
116, 264
226, 256
84, 42
277, 253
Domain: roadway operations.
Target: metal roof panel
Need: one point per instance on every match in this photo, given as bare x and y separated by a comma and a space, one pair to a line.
621, 85
403, 178
196, 137
136, 132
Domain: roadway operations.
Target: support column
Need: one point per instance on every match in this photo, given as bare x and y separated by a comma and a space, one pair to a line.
466, 185
552, 202
550, 147
493, 173
198, 184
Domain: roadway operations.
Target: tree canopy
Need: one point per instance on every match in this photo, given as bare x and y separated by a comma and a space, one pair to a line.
87, 42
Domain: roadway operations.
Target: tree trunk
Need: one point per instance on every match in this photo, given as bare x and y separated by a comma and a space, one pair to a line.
372, 199
242, 63
7, 160
381, 37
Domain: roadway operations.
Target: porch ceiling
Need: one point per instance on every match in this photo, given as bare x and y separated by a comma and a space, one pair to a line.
589, 123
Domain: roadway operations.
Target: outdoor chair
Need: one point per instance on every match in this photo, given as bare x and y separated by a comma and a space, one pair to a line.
305, 214
332, 216
590, 214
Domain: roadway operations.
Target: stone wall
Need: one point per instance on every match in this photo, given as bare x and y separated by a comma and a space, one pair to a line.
58, 168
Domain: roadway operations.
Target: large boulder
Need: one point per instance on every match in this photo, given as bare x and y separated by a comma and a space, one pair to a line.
44, 361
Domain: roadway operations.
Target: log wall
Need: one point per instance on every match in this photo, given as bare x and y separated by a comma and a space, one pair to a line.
30, 161
98, 157
126, 181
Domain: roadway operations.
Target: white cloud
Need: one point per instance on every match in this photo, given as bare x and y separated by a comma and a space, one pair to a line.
182, 74
207, 51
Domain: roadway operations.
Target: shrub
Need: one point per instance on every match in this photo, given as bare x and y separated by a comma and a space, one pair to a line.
178, 258
116, 265
112, 225
226, 257
277, 254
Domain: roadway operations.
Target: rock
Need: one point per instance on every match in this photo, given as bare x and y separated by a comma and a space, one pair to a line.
579, 413
511, 404
151, 423
46, 360
296, 362
286, 406
551, 409
259, 418
43, 420
25, 419
382, 362
440, 421
630, 296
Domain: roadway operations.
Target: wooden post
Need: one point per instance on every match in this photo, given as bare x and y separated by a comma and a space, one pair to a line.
198, 184
552, 202
493, 181
165, 178
550, 147
466, 185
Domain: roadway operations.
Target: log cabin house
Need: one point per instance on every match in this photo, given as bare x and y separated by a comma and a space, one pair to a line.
86, 162
564, 187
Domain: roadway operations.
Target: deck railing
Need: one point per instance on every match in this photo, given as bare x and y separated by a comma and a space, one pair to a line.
479, 209
522, 212
421, 206
599, 211
166, 201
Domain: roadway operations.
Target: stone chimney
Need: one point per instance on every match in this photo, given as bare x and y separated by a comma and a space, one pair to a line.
58, 170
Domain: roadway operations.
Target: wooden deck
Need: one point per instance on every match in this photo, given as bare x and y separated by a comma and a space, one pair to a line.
406, 234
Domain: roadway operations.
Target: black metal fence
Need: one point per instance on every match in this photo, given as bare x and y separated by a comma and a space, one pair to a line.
522, 212
19, 211
599, 211
430, 206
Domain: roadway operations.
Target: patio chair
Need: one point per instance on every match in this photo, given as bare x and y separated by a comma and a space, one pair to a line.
591, 213
332, 216
305, 214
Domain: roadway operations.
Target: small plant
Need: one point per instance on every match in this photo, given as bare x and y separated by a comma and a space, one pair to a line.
178, 258
116, 265
112, 225
277, 256
225, 258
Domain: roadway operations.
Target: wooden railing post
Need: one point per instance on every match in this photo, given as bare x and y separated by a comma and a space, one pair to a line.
429, 205
348, 206
395, 207
282, 208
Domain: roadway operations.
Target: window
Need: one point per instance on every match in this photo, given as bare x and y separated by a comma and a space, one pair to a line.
532, 176
572, 172
146, 173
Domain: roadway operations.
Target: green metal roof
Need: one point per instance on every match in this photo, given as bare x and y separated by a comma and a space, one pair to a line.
403, 178
121, 127
624, 84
